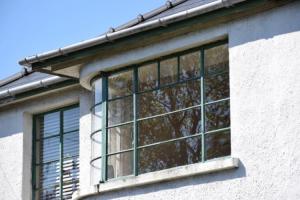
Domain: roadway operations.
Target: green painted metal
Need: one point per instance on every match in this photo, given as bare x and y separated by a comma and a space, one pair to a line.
202, 105
61, 161
135, 125
104, 128
33, 161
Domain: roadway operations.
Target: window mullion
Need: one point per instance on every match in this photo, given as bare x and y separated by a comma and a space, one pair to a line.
104, 129
135, 128
202, 105
33, 163
61, 142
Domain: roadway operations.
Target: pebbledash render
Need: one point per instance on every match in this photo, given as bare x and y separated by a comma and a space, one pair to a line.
198, 99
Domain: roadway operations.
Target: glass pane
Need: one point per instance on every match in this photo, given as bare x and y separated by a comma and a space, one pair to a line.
217, 145
120, 138
216, 73
217, 115
148, 76
49, 181
97, 145
71, 120
120, 165
168, 71
96, 153
97, 118
97, 91
71, 144
171, 126
169, 99
190, 65
50, 149
49, 124
120, 84
168, 155
70, 177
216, 87
216, 59
120, 111
96, 171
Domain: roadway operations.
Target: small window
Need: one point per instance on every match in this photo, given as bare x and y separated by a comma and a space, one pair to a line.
166, 113
56, 154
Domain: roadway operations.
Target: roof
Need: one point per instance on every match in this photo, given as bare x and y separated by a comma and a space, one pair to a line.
20, 78
143, 22
185, 5
170, 7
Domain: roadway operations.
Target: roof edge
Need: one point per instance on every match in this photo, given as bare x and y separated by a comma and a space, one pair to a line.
110, 37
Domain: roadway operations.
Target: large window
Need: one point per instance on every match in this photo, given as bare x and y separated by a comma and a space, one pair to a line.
161, 114
55, 154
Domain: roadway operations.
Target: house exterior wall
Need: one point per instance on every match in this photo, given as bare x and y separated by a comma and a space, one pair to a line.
265, 93
264, 55
16, 140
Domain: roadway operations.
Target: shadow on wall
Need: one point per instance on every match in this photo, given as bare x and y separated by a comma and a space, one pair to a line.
265, 25
240, 172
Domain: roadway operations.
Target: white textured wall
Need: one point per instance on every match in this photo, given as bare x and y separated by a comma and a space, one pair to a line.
15, 141
265, 115
265, 118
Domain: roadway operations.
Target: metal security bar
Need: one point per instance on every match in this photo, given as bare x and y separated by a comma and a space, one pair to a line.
123, 112
56, 154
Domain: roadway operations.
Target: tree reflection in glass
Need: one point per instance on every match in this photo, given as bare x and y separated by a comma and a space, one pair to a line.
216, 73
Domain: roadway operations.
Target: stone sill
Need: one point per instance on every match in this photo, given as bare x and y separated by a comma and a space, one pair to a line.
166, 175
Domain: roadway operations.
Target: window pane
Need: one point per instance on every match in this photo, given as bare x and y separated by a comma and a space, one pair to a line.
148, 76
168, 71
71, 120
49, 125
170, 155
217, 87
169, 99
120, 138
216, 59
97, 91
49, 181
120, 165
120, 84
97, 115
217, 145
217, 115
97, 145
70, 177
50, 149
171, 126
216, 73
71, 144
120, 111
190, 65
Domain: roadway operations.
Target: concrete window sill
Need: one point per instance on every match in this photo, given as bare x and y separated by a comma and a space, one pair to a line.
167, 175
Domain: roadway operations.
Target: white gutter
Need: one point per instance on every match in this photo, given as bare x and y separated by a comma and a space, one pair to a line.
109, 37
30, 86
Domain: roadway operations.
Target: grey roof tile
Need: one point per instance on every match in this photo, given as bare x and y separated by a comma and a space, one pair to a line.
31, 77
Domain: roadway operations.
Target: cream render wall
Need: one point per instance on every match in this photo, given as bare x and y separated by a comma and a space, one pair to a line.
264, 55
265, 113
15, 140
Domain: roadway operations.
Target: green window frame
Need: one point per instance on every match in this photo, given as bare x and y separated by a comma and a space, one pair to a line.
213, 133
55, 153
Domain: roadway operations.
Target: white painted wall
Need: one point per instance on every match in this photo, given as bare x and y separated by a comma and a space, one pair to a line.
15, 141
265, 111
265, 117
